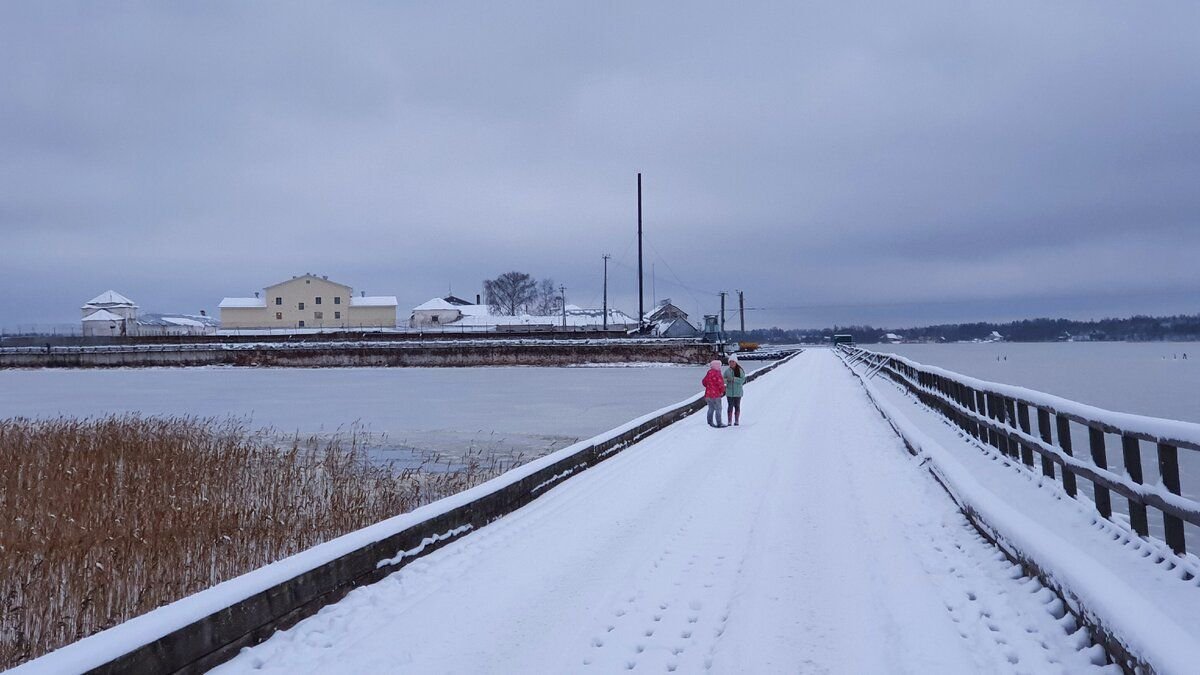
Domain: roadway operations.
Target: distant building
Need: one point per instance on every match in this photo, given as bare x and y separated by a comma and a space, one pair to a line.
669, 321
111, 314
447, 313
309, 301
177, 324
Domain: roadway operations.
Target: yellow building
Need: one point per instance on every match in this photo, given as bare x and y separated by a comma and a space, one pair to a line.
309, 302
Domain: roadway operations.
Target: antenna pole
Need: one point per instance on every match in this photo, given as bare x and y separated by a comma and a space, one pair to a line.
641, 296
742, 309
723, 293
606, 257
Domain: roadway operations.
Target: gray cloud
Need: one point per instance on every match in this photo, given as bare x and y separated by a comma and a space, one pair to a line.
839, 162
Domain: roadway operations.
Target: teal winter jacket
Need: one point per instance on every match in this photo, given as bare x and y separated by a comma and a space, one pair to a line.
733, 384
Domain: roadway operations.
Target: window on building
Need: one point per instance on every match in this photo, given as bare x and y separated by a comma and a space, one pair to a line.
302, 305
278, 300
317, 300
318, 315
301, 324
435, 318
337, 300
337, 315
278, 316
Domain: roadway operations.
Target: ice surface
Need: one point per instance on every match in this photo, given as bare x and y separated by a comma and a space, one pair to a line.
1145, 378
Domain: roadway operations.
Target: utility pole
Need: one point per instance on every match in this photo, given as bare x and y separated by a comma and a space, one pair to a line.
723, 294
641, 296
742, 309
563, 290
606, 257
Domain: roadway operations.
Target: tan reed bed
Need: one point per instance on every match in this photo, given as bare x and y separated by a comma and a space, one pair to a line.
104, 519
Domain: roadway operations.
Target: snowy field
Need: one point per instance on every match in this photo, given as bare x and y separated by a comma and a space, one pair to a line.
1146, 378
408, 414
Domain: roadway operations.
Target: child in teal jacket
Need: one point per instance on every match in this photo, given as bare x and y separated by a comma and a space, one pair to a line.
735, 377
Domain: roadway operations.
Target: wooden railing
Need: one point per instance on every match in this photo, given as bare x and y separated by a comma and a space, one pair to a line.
1003, 417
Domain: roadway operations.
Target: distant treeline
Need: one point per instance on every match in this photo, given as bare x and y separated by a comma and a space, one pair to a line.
1137, 329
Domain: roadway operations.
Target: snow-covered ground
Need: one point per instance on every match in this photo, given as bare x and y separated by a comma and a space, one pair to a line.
1138, 588
806, 540
408, 413
1147, 378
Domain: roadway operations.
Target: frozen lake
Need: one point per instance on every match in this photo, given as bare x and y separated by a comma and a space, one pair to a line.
1146, 378
409, 413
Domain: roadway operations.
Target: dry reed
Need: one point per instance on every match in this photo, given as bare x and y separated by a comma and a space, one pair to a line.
105, 519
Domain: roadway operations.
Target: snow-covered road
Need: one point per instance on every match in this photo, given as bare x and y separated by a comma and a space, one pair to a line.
806, 540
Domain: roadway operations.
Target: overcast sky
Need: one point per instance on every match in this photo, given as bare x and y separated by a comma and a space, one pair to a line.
840, 162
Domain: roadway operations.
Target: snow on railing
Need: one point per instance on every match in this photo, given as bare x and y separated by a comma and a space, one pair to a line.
1000, 415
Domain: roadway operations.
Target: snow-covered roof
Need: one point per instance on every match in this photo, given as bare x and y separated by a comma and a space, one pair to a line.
103, 315
597, 313
502, 320
110, 299
229, 303
189, 320
373, 301
437, 304
306, 276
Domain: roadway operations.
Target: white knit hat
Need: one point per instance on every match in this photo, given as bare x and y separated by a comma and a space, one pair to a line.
733, 357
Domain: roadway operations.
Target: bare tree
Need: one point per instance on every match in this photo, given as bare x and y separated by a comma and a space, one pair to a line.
548, 301
510, 293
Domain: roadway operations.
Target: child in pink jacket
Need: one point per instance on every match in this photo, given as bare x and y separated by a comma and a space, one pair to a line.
714, 390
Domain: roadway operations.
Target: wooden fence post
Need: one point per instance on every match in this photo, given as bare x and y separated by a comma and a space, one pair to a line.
1131, 452
1064, 442
993, 413
969, 401
1100, 459
1010, 420
1044, 432
1168, 468
1023, 420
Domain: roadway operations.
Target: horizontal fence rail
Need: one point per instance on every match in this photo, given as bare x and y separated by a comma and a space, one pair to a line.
219, 636
1004, 418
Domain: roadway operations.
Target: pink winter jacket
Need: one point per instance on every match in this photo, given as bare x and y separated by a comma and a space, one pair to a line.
714, 384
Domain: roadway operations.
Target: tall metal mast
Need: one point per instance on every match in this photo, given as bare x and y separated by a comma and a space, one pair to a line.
641, 296
606, 257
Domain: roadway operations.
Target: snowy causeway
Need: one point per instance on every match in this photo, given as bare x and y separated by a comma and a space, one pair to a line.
806, 540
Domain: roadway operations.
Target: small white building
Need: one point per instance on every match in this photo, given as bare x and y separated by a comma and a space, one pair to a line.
109, 314
309, 302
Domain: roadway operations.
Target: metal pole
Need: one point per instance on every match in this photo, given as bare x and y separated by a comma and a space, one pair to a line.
722, 314
742, 310
606, 257
563, 289
641, 297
